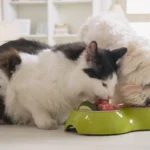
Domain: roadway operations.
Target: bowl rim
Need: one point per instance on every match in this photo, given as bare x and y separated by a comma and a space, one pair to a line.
104, 111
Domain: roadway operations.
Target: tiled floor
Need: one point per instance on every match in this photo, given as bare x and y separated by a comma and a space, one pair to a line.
26, 138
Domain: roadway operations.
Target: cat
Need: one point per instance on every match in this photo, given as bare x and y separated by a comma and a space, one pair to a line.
20, 45
44, 87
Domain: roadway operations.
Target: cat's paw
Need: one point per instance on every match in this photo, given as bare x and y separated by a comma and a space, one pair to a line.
48, 124
44, 121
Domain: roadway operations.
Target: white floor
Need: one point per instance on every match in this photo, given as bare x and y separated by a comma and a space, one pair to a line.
26, 138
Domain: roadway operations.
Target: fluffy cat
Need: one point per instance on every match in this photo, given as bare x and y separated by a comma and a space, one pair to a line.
6, 51
44, 88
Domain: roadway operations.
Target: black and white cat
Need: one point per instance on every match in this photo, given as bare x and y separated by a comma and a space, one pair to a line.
43, 86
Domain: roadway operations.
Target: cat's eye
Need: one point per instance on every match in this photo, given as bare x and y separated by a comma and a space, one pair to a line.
104, 84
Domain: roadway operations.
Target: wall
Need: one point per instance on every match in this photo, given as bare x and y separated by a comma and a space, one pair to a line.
0, 10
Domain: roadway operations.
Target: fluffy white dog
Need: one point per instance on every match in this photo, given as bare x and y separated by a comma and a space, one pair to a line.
111, 31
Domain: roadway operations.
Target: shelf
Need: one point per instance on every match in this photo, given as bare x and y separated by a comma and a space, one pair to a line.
70, 1
66, 36
28, 2
35, 36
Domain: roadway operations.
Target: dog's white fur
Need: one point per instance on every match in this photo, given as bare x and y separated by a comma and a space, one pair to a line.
47, 86
111, 31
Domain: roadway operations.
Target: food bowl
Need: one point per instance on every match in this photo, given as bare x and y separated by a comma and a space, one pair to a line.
109, 122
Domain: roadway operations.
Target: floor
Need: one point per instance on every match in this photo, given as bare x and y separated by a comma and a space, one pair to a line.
26, 138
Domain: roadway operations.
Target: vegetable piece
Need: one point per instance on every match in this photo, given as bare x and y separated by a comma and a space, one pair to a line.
88, 106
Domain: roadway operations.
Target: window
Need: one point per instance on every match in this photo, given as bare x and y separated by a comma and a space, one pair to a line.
138, 13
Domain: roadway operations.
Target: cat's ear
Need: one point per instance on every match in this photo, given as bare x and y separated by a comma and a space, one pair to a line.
118, 53
92, 47
91, 50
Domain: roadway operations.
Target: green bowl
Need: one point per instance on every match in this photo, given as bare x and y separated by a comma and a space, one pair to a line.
109, 122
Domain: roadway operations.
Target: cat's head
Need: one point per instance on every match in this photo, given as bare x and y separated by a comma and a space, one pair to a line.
102, 65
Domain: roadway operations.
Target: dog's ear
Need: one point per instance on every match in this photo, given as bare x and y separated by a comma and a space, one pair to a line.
9, 60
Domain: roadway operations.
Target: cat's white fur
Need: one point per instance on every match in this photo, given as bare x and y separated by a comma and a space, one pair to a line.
111, 30
47, 86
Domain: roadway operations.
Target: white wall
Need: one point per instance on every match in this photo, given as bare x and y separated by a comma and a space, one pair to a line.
8, 11
105, 5
0, 10
72, 14
37, 14
100, 6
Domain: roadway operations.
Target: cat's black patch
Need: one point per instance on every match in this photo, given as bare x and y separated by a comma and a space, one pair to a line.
91, 72
26, 46
72, 51
3, 116
2, 107
7, 119
9, 56
103, 63
9, 60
